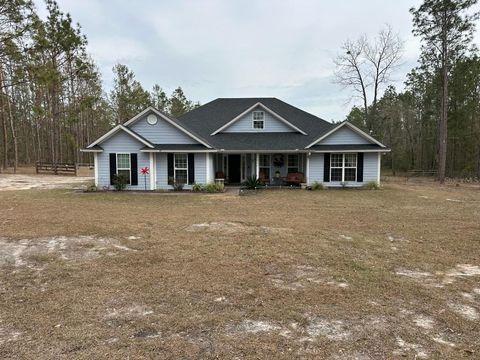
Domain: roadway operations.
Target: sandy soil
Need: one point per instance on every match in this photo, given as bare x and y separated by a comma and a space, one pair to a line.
9, 182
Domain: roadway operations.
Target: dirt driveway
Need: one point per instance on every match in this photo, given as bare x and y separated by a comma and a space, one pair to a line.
9, 182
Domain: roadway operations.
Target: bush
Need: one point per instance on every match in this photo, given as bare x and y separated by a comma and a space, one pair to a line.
213, 187
197, 187
371, 185
317, 186
178, 185
120, 182
209, 188
252, 183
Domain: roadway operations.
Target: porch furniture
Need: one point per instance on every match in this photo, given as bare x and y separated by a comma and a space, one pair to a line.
219, 175
294, 178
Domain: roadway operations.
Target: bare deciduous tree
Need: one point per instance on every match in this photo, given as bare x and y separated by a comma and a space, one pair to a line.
366, 65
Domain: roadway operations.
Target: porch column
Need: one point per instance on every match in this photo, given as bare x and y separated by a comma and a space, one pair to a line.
307, 170
153, 171
95, 167
257, 166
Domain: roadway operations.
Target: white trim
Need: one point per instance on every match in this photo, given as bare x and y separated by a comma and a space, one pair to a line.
175, 168
378, 169
207, 168
91, 150
129, 165
95, 167
114, 130
258, 104
177, 151
343, 168
257, 166
307, 170
152, 171
353, 127
167, 119
258, 120
350, 151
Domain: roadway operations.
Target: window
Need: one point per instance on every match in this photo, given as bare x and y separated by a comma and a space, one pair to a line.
258, 120
343, 167
181, 168
292, 163
264, 168
123, 166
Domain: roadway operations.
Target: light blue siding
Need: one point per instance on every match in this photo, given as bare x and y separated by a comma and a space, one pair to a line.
344, 136
316, 168
162, 170
272, 124
200, 168
121, 142
161, 133
370, 170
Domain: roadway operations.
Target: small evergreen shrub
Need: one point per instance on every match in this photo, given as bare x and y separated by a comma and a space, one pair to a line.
120, 182
371, 185
317, 186
197, 187
213, 187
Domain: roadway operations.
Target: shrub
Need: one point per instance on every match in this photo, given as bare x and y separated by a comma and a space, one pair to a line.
252, 183
317, 186
197, 187
371, 185
91, 187
213, 187
178, 185
120, 182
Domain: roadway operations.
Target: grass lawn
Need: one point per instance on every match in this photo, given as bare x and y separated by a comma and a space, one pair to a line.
341, 274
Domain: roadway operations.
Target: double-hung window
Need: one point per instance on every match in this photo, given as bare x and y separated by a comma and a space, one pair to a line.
292, 163
181, 168
343, 167
258, 120
264, 167
124, 166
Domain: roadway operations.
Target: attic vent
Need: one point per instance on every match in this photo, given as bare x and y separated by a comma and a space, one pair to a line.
152, 119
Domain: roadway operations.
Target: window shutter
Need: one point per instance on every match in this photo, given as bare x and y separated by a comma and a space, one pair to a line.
134, 169
170, 168
359, 167
191, 168
113, 167
326, 167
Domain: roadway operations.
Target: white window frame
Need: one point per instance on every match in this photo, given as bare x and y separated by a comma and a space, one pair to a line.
343, 167
262, 120
269, 166
298, 162
129, 164
175, 168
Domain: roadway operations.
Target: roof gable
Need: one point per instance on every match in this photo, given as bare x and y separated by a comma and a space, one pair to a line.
245, 117
345, 134
115, 130
168, 128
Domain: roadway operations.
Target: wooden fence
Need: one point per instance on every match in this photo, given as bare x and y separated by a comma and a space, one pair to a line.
57, 169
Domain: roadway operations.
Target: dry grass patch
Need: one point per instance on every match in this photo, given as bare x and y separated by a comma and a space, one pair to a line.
335, 274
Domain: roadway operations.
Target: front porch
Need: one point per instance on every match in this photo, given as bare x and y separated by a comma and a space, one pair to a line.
272, 169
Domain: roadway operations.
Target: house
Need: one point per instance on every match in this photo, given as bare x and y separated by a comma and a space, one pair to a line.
235, 138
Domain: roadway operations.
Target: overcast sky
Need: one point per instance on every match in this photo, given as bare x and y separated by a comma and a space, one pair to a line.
239, 48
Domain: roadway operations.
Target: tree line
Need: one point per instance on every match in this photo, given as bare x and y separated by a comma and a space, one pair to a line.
52, 101
434, 122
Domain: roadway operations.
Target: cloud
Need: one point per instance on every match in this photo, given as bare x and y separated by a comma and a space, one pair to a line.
220, 48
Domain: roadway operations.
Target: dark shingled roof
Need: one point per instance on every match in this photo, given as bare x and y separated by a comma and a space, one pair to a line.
347, 147
205, 119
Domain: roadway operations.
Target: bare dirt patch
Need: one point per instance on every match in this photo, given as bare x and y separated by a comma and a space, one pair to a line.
27, 252
235, 228
12, 182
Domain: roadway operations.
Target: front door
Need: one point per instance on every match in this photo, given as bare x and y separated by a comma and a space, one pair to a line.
234, 166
